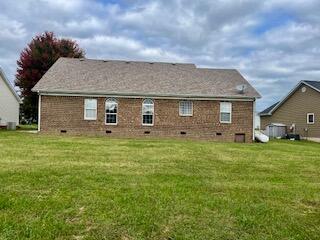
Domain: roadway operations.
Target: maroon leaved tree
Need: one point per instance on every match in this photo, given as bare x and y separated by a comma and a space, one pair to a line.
35, 60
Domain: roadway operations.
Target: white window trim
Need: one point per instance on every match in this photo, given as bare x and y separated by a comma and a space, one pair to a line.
310, 114
225, 112
147, 124
105, 114
85, 110
185, 115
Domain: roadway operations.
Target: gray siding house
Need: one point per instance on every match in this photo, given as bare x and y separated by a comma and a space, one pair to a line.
298, 111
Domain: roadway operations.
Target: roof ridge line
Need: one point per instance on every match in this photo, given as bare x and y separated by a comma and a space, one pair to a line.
207, 68
310, 80
133, 61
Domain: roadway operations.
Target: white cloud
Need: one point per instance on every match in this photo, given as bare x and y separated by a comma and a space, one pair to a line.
11, 29
208, 33
68, 6
111, 47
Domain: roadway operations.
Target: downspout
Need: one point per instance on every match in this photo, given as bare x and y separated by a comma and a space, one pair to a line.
39, 111
253, 118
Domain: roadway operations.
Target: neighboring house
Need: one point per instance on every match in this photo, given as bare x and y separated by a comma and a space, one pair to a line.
298, 112
132, 99
9, 102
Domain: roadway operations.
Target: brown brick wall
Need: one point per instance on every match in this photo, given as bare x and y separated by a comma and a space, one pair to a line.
67, 113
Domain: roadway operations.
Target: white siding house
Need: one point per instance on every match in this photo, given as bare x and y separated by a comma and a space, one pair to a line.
9, 102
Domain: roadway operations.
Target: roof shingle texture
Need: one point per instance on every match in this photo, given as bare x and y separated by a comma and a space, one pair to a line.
267, 110
315, 84
70, 75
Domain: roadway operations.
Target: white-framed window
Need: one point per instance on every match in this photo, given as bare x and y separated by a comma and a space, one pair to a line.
147, 112
90, 109
111, 112
310, 118
185, 108
225, 112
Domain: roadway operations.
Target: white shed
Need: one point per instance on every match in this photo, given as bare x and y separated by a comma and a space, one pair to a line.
9, 102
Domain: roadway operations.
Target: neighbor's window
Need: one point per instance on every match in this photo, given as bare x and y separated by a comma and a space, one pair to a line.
90, 109
310, 118
147, 112
225, 112
111, 111
185, 108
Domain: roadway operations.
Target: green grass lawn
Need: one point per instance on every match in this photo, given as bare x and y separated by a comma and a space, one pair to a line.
54, 187
27, 127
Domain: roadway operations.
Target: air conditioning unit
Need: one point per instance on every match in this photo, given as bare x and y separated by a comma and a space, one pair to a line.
11, 126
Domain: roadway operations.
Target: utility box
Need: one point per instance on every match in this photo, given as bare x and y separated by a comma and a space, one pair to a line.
11, 126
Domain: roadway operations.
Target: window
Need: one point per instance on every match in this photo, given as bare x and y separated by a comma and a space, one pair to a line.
147, 112
225, 112
90, 109
185, 108
111, 111
310, 118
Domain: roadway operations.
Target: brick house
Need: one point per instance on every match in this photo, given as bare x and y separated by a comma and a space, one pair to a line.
135, 99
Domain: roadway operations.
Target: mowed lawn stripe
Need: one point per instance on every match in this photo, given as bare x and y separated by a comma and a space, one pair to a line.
62, 187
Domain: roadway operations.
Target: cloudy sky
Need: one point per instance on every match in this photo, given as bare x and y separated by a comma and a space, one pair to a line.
273, 43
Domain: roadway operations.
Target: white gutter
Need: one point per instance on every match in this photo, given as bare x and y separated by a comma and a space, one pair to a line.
39, 112
253, 118
154, 96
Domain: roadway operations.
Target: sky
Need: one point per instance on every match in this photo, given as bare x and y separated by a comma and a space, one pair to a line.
274, 43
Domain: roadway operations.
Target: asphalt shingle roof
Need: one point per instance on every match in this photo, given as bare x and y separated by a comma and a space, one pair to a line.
267, 110
315, 84
69, 75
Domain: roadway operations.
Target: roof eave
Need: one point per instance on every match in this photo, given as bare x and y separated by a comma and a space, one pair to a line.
304, 81
57, 92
